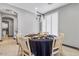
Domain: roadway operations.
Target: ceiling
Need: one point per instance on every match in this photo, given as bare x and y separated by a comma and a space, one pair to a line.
41, 7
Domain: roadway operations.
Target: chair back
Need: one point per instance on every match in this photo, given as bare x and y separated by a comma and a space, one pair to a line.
57, 44
24, 47
28, 45
17, 38
61, 39
55, 47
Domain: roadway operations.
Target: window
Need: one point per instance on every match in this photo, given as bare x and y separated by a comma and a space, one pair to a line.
50, 24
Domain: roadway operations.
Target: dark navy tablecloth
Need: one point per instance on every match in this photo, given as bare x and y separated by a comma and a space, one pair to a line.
41, 47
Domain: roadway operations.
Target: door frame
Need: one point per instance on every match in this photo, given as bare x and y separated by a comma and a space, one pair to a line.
8, 25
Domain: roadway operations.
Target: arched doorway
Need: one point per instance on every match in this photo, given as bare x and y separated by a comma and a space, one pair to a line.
7, 27
7, 16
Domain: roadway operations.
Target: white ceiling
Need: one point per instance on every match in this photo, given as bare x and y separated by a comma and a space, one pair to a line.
41, 7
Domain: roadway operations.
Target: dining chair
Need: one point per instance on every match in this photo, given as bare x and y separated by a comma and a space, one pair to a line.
18, 36
61, 39
58, 41
55, 47
24, 49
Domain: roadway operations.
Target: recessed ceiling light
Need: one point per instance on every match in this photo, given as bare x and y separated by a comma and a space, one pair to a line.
36, 8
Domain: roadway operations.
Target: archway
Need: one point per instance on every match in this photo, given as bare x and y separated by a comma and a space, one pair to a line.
7, 26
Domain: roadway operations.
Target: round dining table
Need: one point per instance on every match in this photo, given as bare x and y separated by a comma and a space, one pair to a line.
41, 47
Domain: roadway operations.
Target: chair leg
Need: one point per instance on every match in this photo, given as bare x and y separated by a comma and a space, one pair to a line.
19, 51
61, 51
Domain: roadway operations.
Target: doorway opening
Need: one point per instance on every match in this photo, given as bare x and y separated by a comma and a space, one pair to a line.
7, 27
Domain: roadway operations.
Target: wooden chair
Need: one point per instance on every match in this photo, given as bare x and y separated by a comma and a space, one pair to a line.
58, 44
24, 49
18, 36
55, 47
61, 39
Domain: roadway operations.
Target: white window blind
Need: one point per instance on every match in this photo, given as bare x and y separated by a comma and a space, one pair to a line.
50, 24
55, 23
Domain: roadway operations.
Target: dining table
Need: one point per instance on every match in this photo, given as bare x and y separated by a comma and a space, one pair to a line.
41, 47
